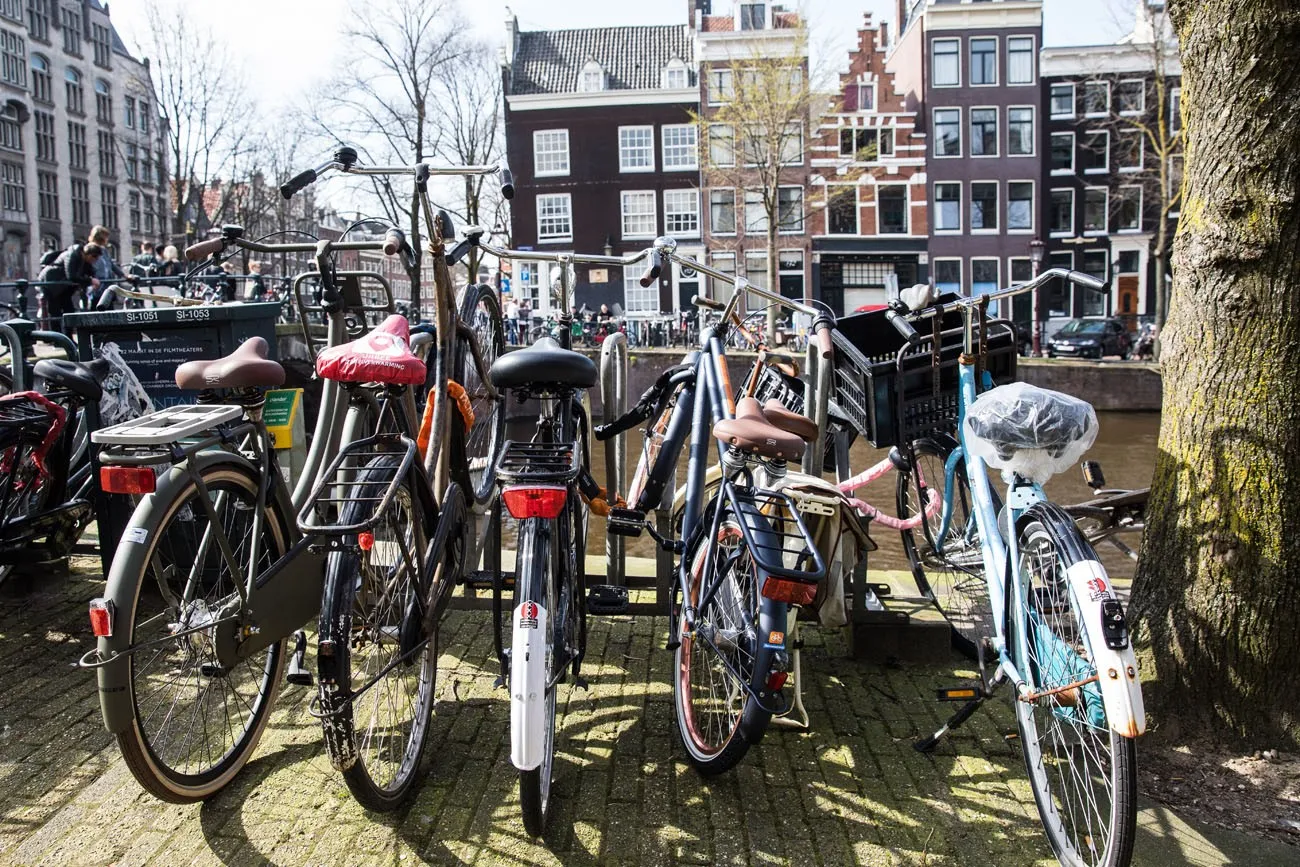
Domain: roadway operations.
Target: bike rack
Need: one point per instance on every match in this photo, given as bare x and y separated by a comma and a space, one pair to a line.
613, 404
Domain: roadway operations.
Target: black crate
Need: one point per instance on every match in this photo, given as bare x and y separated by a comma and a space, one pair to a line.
893, 400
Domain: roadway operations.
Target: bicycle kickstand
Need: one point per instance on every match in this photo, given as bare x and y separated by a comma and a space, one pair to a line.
974, 695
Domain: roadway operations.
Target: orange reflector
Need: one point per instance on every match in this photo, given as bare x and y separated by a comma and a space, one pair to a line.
127, 480
789, 592
366, 540
101, 617
535, 501
776, 680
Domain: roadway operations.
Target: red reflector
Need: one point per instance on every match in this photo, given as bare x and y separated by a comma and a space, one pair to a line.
101, 617
544, 501
127, 480
776, 680
789, 592
366, 541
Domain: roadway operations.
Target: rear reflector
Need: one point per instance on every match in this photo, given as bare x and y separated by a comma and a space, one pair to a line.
366, 541
535, 501
127, 480
789, 592
101, 617
776, 680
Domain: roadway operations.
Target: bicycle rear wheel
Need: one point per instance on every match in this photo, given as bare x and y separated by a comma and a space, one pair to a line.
377, 676
1083, 774
484, 439
947, 564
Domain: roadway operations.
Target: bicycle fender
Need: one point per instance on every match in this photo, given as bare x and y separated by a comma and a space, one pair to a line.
528, 648
1117, 671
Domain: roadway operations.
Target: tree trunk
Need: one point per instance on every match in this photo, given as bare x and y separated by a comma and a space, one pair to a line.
773, 282
1217, 594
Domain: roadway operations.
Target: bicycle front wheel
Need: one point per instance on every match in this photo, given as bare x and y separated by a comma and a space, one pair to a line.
195, 722
1083, 774
377, 675
483, 440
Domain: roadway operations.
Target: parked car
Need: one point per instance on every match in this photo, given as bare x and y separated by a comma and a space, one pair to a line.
1091, 337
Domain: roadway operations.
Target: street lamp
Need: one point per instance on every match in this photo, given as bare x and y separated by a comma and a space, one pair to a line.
1037, 251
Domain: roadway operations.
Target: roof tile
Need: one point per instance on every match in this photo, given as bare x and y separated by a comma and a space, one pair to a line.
548, 61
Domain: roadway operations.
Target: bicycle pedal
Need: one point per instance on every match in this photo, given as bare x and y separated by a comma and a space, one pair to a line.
580, 683
625, 522
969, 692
607, 599
211, 669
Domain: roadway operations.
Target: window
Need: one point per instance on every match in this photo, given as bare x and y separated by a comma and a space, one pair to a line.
12, 9
158, 165
722, 145
842, 211
103, 102
1095, 153
947, 207
1020, 132
11, 133
70, 20
76, 98
1020, 206
792, 145
984, 132
722, 211
639, 214
983, 206
554, 217
1129, 150
891, 209
128, 113
1056, 297
1175, 183
144, 117
636, 149
947, 275
44, 122
107, 154
1062, 100
789, 214
132, 161
1061, 216
755, 213
80, 202
756, 267
148, 215
1020, 60
789, 267
550, 152
861, 145
146, 166
638, 298
864, 97
1128, 209
48, 195
983, 276
1062, 153
15, 189
1094, 265
726, 263
680, 147
1131, 96
753, 16
133, 209
947, 132
1021, 271
887, 142
945, 70
41, 80
103, 51
984, 60
1096, 99
76, 145
1095, 206
108, 205
721, 86
682, 213
13, 59
1175, 109
675, 77
38, 19
591, 78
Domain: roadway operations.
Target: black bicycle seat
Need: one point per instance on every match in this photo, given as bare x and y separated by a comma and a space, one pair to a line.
83, 380
544, 363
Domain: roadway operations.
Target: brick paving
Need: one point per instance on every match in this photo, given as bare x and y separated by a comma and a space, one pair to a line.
849, 791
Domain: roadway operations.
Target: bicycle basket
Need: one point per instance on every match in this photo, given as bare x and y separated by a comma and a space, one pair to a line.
775, 385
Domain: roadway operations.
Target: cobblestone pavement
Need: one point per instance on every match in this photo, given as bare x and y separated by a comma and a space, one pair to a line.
849, 791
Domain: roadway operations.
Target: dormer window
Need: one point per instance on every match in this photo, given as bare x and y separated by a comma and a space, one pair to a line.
753, 16
592, 78
675, 75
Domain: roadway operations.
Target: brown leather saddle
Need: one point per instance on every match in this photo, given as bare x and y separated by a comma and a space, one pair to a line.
770, 431
246, 367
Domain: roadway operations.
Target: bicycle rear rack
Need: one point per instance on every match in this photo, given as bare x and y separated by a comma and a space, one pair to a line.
169, 425
556, 463
794, 555
352, 479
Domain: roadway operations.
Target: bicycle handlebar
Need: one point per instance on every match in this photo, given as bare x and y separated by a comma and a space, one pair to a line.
202, 250
901, 325
345, 160
651, 274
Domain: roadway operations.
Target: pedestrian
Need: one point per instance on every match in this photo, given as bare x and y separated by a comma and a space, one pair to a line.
73, 271
146, 264
525, 319
255, 288
106, 270
511, 316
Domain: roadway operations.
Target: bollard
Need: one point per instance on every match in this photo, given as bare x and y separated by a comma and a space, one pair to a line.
613, 404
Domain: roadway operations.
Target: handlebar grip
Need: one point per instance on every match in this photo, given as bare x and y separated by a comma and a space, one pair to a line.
701, 301
289, 188
458, 252
507, 183
1087, 280
822, 331
394, 240
652, 273
902, 326
203, 249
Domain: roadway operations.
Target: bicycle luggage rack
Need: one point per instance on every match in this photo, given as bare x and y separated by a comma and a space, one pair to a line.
346, 481
795, 556
537, 462
169, 425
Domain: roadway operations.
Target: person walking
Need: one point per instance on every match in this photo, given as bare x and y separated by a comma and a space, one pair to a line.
74, 269
106, 270
511, 316
525, 320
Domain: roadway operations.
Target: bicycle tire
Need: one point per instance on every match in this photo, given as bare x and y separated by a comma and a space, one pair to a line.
379, 777
948, 572
1068, 728
484, 440
537, 583
177, 538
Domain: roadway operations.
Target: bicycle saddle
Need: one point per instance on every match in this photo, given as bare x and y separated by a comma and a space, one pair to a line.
246, 367
1009, 424
751, 431
790, 422
383, 355
546, 362
84, 380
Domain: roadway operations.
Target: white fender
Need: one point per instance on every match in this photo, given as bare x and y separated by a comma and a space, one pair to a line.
1117, 671
528, 666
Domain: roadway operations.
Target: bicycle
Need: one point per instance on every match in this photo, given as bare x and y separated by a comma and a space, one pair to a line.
1032, 597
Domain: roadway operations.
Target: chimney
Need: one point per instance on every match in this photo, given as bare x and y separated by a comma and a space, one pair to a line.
512, 37
883, 41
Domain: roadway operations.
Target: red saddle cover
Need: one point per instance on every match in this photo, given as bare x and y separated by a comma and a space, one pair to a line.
381, 356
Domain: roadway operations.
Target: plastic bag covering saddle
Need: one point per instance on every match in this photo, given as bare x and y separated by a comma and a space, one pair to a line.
381, 356
919, 297
1029, 431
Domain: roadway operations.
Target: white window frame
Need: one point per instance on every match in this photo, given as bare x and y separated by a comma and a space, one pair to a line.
567, 198
1141, 152
1119, 230
694, 147
1074, 214
997, 131
538, 172
1087, 113
693, 195
1105, 168
961, 271
1074, 101
1033, 207
1175, 109
1142, 107
934, 125
788, 141
1105, 229
1074, 153
591, 70
970, 54
1011, 269
907, 212
722, 289
961, 204
653, 213
803, 210
675, 65
623, 154
731, 140
933, 54
997, 207
713, 230
1033, 60
716, 96
834, 191
1033, 130
638, 298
